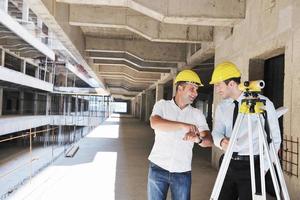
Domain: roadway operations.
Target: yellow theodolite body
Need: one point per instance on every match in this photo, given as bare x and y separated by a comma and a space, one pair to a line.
251, 103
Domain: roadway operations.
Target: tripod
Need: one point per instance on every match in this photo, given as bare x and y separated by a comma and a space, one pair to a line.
253, 107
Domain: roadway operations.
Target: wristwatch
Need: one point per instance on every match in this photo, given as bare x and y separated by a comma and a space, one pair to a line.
200, 140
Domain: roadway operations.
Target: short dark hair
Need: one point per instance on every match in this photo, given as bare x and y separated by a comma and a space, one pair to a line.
237, 80
180, 83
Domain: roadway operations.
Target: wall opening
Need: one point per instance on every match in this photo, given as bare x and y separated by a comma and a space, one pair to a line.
270, 70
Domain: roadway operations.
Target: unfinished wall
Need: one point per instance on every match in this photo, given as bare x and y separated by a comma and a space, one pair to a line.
271, 27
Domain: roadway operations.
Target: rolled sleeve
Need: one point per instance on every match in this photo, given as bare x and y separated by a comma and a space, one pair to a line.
202, 124
158, 108
219, 128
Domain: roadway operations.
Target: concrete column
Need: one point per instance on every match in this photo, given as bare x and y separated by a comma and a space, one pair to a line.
35, 104
25, 11
21, 102
147, 105
23, 67
37, 72
159, 92
64, 99
66, 79
4, 5
2, 57
69, 104
82, 106
1, 100
76, 105
48, 104
132, 107
60, 137
143, 107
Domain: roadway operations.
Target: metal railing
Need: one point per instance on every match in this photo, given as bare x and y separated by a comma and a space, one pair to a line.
56, 140
29, 134
290, 155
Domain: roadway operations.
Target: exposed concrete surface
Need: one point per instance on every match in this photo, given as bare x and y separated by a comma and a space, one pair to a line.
111, 164
271, 28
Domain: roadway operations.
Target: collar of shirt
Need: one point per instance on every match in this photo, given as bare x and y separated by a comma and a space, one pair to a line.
175, 104
239, 99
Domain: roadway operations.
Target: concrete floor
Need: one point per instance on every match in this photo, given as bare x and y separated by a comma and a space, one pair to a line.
111, 163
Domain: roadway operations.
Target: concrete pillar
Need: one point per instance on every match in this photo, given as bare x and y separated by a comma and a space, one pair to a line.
82, 106
159, 92
4, 5
23, 67
69, 104
48, 104
60, 136
35, 104
76, 105
132, 107
2, 57
25, 11
21, 102
147, 104
143, 107
64, 100
1, 100
37, 72
66, 78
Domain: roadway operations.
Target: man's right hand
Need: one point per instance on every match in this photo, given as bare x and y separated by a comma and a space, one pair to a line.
224, 143
190, 128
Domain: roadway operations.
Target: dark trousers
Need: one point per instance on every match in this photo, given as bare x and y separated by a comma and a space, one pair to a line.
237, 183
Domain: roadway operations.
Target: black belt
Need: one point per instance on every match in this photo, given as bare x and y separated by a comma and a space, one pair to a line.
243, 157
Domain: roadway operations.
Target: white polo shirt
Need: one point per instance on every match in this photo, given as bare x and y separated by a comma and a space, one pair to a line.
170, 151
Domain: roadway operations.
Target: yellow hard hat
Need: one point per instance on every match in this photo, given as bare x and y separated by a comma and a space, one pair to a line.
224, 71
188, 76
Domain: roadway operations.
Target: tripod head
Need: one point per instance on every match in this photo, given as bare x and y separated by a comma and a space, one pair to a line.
252, 103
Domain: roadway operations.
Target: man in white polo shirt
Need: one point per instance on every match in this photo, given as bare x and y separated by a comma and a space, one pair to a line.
177, 126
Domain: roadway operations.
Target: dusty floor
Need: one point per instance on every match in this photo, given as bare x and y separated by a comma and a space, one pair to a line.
111, 163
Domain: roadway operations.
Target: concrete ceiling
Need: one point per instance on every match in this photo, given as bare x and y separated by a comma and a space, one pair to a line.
132, 44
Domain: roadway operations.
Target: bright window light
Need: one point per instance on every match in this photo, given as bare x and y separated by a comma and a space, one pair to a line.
119, 107
105, 131
94, 179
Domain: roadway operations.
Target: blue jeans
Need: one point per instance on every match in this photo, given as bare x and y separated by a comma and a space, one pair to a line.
159, 181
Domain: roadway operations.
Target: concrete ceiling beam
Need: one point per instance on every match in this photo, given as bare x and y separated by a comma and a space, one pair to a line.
190, 12
129, 58
148, 51
127, 78
123, 91
130, 65
207, 51
105, 69
128, 88
140, 24
126, 83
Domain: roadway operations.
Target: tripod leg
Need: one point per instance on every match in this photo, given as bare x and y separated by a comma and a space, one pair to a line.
251, 156
267, 154
279, 173
262, 165
226, 161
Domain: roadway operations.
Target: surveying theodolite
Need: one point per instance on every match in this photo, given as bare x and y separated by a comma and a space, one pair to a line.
253, 105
